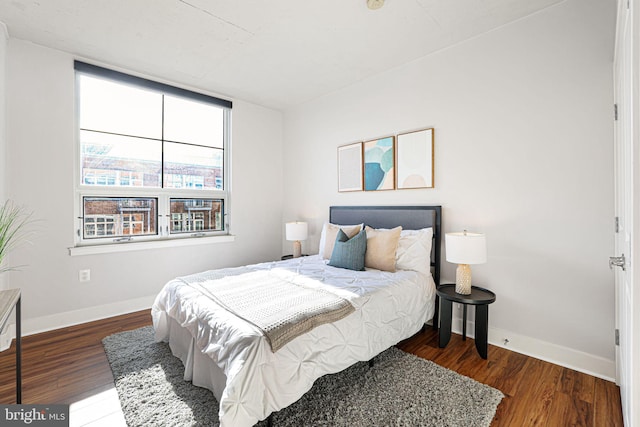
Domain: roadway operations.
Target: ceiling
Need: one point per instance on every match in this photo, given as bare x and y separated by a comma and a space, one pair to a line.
277, 53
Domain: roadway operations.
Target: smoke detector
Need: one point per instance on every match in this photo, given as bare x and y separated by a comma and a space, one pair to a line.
375, 4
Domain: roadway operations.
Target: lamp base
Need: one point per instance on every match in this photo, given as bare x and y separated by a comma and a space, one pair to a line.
297, 249
463, 279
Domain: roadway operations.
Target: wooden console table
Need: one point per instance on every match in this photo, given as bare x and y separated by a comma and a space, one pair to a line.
9, 299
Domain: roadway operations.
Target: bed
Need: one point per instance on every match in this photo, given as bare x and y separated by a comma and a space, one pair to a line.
236, 361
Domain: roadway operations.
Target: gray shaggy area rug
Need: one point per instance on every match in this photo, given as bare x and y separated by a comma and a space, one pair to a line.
399, 390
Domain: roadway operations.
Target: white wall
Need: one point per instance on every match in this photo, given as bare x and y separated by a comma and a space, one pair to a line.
523, 152
40, 170
3, 143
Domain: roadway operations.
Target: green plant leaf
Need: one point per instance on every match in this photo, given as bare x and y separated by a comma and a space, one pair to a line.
13, 229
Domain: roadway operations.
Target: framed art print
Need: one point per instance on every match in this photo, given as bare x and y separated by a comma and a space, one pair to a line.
350, 167
379, 171
414, 157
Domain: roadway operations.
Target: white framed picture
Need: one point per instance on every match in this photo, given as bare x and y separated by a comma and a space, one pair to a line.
350, 167
414, 159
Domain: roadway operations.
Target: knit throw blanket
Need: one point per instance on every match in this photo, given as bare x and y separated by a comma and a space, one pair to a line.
279, 303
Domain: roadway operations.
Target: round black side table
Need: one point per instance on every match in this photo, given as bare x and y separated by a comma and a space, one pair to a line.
479, 297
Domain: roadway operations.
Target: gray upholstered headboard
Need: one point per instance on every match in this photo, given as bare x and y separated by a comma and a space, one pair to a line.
409, 217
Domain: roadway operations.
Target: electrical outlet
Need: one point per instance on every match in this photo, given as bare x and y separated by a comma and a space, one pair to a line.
84, 275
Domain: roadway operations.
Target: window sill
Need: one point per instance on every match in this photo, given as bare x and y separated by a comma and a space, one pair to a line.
139, 246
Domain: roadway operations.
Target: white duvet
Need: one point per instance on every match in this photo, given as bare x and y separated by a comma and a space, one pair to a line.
249, 380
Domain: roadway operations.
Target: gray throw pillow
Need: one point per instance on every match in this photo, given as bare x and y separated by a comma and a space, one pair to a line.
349, 253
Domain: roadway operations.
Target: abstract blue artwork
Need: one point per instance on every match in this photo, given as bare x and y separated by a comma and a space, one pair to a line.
379, 172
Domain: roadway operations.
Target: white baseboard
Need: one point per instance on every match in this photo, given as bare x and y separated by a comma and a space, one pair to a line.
564, 356
76, 317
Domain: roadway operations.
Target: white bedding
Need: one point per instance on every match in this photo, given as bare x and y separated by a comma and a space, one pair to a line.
232, 358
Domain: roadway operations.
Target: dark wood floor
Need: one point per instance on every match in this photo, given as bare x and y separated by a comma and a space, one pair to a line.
65, 365
68, 365
537, 393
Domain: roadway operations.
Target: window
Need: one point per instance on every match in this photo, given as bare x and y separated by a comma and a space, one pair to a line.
202, 215
99, 225
151, 159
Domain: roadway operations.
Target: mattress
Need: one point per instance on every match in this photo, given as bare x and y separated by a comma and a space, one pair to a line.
233, 358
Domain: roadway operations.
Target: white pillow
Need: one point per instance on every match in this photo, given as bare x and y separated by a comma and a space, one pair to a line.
414, 250
325, 249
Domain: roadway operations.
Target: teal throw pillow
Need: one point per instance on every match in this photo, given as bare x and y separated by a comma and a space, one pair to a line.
349, 253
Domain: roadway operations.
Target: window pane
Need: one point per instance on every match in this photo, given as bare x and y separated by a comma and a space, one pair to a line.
113, 160
113, 107
192, 167
144, 145
119, 217
193, 122
196, 215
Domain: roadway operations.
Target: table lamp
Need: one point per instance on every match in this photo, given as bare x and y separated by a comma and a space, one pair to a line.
296, 231
463, 249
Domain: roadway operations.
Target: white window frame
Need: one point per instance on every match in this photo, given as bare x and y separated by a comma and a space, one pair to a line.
163, 237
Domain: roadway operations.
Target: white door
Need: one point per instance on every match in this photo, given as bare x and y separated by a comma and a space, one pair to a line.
625, 99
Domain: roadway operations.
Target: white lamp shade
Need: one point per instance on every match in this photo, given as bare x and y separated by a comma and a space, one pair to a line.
466, 248
296, 231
